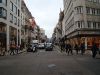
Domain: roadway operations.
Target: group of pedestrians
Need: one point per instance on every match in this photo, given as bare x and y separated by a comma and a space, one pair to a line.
14, 49
68, 48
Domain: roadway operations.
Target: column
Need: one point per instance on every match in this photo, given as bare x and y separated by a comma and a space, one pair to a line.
8, 37
86, 43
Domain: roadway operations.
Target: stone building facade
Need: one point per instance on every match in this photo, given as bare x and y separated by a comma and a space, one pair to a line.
82, 21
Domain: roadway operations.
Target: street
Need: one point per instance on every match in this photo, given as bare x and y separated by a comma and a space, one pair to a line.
49, 63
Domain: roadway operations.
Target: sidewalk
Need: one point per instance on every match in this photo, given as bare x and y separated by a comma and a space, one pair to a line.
19, 52
87, 52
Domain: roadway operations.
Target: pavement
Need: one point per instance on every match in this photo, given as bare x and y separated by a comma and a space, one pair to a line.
19, 52
49, 63
88, 52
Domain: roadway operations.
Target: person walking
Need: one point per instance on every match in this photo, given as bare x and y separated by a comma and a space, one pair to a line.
66, 47
61, 46
12, 48
70, 49
94, 49
76, 47
17, 48
82, 48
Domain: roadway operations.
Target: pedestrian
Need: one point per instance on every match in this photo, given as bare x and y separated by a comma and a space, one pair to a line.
82, 48
94, 49
12, 48
70, 49
17, 48
76, 47
61, 46
99, 49
66, 47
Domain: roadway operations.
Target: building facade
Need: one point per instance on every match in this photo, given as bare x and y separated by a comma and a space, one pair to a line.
42, 35
82, 21
10, 29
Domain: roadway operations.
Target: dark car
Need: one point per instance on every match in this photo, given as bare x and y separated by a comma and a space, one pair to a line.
48, 47
31, 48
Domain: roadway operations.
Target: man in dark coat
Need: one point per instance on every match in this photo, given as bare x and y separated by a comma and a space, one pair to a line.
94, 50
82, 47
76, 47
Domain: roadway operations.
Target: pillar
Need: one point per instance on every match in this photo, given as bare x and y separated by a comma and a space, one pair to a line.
7, 37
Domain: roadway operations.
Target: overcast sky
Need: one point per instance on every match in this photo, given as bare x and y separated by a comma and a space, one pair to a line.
46, 13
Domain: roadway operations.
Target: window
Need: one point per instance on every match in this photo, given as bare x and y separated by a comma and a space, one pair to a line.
0, 11
98, 11
94, 25
94, 0
0, 1
98, 24
11, 18
4, 2
18, 12
79, 23
88, 10
15, 9
79, 9
3, 13
15, 20
88, 24
93, 11
19, 3
16, 1
18, 22
11, 6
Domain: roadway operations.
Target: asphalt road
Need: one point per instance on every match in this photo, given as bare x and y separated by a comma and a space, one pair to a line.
49, 63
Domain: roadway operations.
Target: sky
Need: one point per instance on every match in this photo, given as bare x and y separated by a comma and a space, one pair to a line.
46, 13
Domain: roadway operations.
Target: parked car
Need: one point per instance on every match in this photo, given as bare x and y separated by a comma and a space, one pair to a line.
41, 45
31, 48
49, 47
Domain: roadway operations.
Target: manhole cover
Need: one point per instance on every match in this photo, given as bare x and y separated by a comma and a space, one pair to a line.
51, 65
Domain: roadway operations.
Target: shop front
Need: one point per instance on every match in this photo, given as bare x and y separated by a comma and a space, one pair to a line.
86, 36
2, 38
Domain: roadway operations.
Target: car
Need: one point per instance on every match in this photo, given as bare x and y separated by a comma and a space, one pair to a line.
48, 46
41, 45
31, 48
